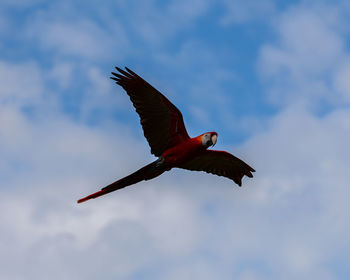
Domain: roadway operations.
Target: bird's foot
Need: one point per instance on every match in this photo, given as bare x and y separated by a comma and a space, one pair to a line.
160, 161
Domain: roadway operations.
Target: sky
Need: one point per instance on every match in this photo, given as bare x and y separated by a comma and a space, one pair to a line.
271, 77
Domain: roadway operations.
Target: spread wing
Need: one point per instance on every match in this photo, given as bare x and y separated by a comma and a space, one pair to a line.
162, 122
220, 163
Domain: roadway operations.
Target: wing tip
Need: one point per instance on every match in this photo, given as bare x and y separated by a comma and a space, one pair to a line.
249, 174
119, 79
127, 74
131, 72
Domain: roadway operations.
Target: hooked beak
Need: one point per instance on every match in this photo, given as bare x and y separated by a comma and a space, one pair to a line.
214, 138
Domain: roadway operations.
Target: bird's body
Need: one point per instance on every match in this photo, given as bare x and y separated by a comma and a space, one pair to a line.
182, 152
165, 131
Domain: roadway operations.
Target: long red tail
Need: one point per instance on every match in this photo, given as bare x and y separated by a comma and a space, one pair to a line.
147, 172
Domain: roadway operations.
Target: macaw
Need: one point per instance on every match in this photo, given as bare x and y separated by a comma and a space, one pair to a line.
165, 131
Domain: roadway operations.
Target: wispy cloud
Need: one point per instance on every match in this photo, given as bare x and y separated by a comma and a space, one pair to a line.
289, 222
310, 47
20, 83
238, 11
77, 37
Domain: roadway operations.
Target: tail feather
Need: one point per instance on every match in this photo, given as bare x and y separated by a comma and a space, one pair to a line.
94, 195
147, 172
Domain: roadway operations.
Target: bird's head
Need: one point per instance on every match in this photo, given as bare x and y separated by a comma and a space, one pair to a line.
209, 139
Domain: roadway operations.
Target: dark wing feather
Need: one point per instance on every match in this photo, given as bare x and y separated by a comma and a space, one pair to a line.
220, 163
162, 122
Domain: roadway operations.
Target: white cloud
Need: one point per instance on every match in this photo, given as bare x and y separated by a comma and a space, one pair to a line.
62, 74
110, 33
102, 95
289, 222
49, 162
275, 220
63, 31
45, 221
82, 38
20, 83
154, 23
310, 45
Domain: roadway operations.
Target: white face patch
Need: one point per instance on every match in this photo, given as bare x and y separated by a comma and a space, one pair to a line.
205, 138
209, 139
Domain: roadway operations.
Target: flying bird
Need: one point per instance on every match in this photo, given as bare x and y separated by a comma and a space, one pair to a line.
165, 131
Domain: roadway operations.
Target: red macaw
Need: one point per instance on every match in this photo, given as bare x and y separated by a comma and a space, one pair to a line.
165, 131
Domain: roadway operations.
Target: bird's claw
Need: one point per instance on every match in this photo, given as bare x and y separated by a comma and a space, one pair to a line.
160, 161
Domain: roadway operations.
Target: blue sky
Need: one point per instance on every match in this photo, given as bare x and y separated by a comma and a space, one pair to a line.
271, 77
